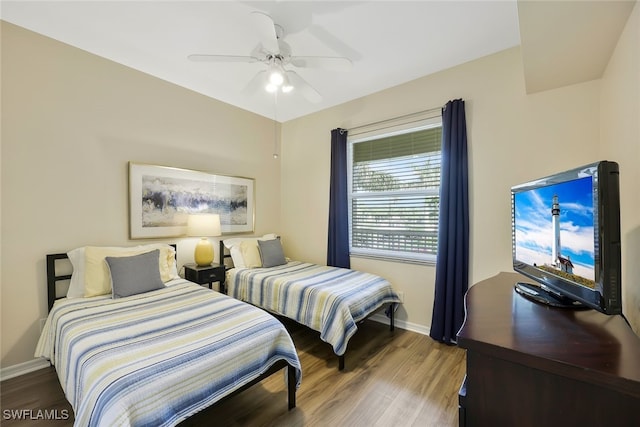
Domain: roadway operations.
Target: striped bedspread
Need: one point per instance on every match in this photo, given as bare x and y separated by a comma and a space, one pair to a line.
156, 358
329, 300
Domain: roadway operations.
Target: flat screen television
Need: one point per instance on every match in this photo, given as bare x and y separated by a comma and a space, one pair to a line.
566, 238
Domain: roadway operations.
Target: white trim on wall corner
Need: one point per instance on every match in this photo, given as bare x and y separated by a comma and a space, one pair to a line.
414, 327
22, 368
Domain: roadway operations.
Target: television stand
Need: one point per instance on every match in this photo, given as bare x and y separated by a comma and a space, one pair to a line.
534, 365
543, 295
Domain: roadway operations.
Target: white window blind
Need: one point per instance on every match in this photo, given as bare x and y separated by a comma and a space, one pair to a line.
394, 190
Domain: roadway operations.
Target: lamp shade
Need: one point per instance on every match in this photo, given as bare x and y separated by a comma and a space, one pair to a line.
203, 225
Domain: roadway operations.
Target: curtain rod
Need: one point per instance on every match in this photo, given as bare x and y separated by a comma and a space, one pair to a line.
405, 116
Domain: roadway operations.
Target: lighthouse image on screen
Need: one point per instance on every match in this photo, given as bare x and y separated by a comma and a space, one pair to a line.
554, 229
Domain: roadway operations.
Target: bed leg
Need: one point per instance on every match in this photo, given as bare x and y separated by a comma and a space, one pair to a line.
392, 316
341, 363
291, 382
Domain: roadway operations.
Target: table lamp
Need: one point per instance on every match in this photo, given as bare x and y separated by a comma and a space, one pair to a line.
203, 226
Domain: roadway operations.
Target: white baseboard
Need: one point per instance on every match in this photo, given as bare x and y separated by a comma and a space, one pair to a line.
22, 368
414, 327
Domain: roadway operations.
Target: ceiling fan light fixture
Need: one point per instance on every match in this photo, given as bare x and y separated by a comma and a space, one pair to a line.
276, 77
286, 88
286, 85
271, 88
276, 74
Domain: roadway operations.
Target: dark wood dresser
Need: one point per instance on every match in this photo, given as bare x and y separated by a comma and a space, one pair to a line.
532, 365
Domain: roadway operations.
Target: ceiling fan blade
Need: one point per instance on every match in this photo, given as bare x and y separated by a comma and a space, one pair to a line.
333, 63
256, 83
303, 87
222, 58
267, 32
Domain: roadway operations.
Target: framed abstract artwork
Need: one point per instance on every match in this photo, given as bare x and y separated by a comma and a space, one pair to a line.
161, 198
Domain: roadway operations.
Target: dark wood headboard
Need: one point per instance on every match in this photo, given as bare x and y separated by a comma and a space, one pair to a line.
53, 277
223, 253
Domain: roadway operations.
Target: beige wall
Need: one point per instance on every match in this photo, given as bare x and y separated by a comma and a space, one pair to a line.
70, 123
620, 140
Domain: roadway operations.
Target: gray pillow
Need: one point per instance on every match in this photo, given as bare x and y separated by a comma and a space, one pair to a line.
271, 252
131, 275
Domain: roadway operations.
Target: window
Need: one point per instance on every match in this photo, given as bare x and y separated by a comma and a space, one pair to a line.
394, 186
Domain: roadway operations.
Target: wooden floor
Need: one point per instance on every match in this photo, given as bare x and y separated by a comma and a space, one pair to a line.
398, 378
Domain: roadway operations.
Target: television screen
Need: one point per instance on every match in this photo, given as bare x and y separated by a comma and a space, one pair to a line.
566, 237
554, 229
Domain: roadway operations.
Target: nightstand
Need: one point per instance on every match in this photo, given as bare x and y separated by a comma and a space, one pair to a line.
207, 274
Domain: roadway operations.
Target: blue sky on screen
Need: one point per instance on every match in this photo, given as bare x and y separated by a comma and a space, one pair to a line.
534, 230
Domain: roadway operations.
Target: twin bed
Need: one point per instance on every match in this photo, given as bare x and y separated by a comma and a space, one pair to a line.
329, 300
155, 356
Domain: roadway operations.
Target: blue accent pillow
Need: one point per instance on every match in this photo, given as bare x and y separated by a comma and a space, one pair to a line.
131, 275
271, 253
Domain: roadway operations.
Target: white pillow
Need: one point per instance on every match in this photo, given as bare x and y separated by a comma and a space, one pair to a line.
250, 253
76, 286
77, 258
236, 256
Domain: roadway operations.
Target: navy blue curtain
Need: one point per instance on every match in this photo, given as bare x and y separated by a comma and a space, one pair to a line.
338, 242
452, 265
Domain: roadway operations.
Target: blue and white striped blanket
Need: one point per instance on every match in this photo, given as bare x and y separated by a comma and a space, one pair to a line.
329, 300
156, 358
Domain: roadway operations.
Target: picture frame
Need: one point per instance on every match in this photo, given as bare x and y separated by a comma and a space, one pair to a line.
162, 197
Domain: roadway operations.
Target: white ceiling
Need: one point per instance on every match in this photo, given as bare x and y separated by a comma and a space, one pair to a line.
389, 42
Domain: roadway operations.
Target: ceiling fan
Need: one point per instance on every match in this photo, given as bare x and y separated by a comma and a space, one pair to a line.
275, 53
